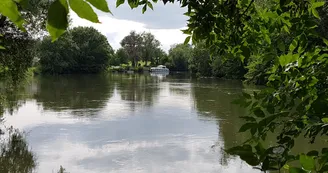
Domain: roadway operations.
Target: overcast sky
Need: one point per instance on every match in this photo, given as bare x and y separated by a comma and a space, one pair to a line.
165, 22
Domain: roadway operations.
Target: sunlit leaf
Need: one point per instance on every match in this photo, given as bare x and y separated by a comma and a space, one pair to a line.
293, 45
315, 13
83, 10
307, 162
324, 120
55, 32
57, 18
9, 9
325, 41
187, 40
314, 81
100, 5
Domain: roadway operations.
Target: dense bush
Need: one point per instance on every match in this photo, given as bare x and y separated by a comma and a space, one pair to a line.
80, 50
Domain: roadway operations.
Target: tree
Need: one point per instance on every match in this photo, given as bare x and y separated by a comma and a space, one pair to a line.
161, 57
132, 45
15, 155
150, 47
81, 50
13, 61
121, 57
179, 55
200, 61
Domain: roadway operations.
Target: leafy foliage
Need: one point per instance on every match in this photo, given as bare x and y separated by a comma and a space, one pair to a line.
81, 50
141, 46
133, 45
13, 61
179, 55
15, 155
150, 47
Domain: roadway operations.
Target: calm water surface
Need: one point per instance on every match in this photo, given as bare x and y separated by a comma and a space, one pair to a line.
131, 123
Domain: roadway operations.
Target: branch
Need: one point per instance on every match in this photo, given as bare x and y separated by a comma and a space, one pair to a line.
248, 7
2, 20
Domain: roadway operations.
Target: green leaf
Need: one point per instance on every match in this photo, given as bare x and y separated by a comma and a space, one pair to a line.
150, 5
100, 5
293, 45
133, 3
187, 40
267, 38
119, 2
286, 59
302, 43
9, 8
324, 120
258, 112
144, 8
83, 10
318, 4
57, 18
259, 148
314, 81
315, 13
296, 170
247, 126
55, 33
325, 41
307, 162
286, 166
2, 48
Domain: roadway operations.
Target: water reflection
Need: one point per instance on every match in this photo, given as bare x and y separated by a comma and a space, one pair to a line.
139, 123
132, 123
82, 94
212, 100
15, 155
137, 90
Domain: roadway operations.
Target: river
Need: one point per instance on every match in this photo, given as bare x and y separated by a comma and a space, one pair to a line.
131, 123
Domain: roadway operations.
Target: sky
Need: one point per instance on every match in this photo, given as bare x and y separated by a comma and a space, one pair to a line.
165, 22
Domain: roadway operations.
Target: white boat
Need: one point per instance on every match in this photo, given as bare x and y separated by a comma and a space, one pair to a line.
160, 68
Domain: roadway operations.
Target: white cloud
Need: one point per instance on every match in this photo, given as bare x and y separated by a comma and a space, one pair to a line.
116, 29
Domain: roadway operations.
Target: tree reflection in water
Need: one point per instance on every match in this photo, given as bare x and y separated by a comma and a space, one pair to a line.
15, 155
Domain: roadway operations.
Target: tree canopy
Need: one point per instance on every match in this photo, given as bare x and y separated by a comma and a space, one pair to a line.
80, 50
140, 46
